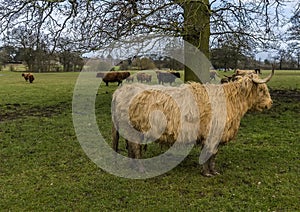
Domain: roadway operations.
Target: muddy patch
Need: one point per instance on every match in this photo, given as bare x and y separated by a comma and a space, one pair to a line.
285, 95
285, 100
13, 111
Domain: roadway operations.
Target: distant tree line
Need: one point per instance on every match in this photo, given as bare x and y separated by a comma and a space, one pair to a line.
41, 60
150, 62
225, 57
228, 57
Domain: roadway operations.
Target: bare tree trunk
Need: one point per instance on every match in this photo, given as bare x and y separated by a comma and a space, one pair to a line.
196, 32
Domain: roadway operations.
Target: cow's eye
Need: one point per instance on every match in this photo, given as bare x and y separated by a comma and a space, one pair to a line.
262, 91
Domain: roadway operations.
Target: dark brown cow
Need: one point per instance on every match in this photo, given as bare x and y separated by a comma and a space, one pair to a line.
234, 77
113, 76
167, 77
257, 71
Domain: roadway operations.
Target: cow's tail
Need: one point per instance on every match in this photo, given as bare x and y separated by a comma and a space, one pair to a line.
115, 138
114, 131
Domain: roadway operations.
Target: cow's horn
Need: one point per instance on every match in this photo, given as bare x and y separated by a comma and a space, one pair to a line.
265, 80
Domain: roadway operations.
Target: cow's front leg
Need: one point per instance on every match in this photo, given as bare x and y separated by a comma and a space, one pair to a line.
205, 169
209, 167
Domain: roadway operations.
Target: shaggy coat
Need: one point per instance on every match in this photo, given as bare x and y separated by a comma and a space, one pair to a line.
28, 76
188, 119
113, 77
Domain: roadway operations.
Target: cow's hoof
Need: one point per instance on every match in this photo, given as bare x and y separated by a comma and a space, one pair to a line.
207, 174
215, 173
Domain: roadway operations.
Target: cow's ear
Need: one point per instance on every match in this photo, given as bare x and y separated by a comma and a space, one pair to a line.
251, 75
238, 79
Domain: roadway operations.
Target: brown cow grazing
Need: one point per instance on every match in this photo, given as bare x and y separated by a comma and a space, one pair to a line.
148, 77
137, 101
227, 79
167, 77
130, 79
232, 78
28, 76
25, 75
113, 76
141, 77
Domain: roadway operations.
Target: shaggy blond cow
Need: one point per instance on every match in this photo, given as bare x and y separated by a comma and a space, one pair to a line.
136, 102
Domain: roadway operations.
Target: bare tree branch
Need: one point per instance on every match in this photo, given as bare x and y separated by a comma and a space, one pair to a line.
90, 24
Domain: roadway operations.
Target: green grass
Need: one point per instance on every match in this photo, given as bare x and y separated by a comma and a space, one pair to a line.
282, 79
285, 79
43, 166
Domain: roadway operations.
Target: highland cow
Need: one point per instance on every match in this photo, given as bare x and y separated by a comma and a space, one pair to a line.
28, 76
138, 101
236, 75
141, 77
257, 71
113, 77
167, 77
130, 79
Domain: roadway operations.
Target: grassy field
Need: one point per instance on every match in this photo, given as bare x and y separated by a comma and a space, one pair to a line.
43, 166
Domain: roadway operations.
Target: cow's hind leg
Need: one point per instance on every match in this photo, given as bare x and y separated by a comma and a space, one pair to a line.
115, 139
135, 152
205, 170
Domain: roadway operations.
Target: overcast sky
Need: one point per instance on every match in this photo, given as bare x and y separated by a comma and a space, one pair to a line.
288, 11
